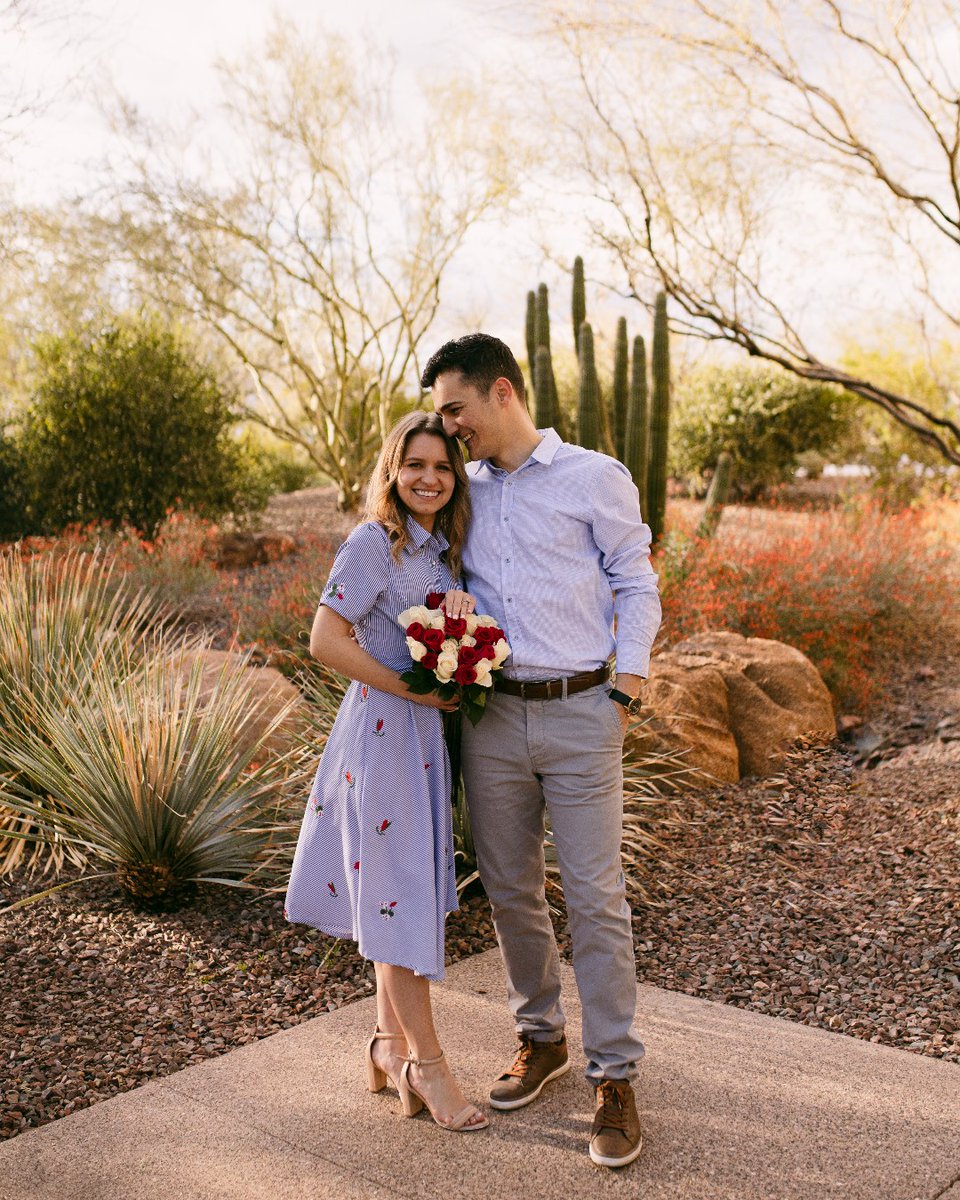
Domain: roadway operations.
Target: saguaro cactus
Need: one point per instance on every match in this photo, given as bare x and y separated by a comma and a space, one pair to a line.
579, 302
636, 435
659, 419
621, 387
588, 413
531, 332
716, 495
544, 388
542, 336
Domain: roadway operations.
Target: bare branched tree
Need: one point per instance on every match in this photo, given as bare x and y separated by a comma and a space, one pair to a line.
315, 243
723, 141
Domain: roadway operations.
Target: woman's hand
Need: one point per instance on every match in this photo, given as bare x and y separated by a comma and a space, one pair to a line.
432, 701
458, 604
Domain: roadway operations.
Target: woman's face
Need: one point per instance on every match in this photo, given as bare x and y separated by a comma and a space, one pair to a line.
426, 480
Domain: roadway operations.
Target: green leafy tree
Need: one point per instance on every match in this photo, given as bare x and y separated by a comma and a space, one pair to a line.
124, 425
763, 417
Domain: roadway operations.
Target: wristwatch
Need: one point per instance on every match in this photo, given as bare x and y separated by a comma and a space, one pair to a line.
633, 704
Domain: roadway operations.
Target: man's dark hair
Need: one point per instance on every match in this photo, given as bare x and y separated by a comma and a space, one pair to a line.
480, 358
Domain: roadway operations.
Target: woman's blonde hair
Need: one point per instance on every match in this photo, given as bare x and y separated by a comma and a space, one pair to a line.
385, 506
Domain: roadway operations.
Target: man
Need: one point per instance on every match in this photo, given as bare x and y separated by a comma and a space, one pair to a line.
556, 550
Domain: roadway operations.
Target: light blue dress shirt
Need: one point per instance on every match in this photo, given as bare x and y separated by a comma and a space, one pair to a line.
556, 550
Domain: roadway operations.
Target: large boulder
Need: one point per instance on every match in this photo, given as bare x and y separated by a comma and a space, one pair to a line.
736, 702
270, 692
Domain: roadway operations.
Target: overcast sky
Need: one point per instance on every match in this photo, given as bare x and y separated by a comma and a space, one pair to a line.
160, 56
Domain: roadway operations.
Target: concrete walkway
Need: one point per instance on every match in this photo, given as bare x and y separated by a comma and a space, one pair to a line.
736, 1106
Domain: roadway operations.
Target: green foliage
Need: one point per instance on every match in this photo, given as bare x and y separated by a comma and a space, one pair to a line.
578, 305
659, 420
125, 425
275, 468
588, 413
13, 519
637, 430
544, 389
763, 417
621, 389
903, 467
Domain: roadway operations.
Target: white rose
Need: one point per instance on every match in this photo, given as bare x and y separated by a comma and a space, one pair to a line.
419, 613
489, 622
446, 665
502, 652
473, 622
467, 640
449, 647
435, 620
417, 649
484, 673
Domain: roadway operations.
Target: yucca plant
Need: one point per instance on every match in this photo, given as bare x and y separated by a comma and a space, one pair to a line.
152, 775
65, 620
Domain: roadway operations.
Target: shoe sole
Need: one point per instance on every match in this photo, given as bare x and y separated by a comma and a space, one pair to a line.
507, 1105
603, 1160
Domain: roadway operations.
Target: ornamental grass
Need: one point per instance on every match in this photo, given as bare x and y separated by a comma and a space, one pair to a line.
66, 621
152, 776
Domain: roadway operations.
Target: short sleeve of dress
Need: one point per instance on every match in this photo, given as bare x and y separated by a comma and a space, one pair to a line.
360, 573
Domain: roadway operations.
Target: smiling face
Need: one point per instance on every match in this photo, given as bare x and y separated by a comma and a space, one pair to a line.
426, 480
474, 417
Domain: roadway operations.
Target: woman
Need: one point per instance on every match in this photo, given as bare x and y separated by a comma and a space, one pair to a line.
374, 861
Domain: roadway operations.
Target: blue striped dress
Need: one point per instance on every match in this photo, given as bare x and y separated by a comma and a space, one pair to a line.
374, 860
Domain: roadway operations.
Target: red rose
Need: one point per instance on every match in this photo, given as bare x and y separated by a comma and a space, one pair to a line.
487, 652
432, 639
429, 661
465, 674
434, 599
484, 635
415, 631
469, 656
498, 635
455, 627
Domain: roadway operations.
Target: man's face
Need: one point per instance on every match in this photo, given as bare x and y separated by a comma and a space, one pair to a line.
473, 416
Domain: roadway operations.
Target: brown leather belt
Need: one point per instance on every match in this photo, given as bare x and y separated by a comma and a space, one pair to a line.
551, 689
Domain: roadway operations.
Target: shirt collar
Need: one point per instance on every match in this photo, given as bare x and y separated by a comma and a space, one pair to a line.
544, 452
419, 537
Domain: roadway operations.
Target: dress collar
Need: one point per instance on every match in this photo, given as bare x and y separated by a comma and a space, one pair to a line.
544, 452
419, 537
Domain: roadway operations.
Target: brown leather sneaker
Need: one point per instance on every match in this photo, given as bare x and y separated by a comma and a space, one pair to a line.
615, 1138
533, 1068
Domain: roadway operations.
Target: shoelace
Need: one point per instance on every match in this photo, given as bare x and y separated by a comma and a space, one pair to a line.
613, 1115
521, 1064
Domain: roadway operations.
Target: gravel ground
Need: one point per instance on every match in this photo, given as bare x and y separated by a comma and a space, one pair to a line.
826, 895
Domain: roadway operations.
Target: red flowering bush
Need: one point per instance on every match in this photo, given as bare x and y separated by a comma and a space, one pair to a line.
852, 589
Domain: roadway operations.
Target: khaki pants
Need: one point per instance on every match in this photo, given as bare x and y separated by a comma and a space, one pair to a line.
525, 759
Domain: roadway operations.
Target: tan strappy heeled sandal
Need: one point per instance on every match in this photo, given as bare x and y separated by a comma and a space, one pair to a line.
413, 1102
376, 1076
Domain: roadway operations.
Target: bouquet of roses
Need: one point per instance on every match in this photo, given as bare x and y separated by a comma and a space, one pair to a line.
452, 656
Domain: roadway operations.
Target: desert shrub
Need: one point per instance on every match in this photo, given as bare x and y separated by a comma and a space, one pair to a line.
764, 417
854, 589
278, 467
126, 424
12, 499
